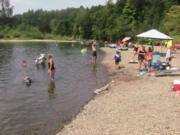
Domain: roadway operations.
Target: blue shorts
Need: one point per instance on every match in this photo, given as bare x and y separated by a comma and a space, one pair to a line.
149, 64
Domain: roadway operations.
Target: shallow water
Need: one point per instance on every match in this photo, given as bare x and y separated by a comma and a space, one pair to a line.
44, 107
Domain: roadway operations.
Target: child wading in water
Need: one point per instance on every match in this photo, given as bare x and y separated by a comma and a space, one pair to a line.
117, 59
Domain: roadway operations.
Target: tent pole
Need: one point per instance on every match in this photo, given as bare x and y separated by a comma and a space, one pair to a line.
161, 46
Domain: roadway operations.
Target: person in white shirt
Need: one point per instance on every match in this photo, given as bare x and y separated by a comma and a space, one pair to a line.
169, 55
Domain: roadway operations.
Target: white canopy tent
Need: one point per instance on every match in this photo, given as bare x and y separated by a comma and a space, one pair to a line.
154, 34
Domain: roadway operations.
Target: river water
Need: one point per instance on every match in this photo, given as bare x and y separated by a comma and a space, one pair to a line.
44, 107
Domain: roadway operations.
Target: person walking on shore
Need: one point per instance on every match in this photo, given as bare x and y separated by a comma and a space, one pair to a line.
94, 52
51, 68
135, 51
141, 57
117, 59
149, 58
169, 55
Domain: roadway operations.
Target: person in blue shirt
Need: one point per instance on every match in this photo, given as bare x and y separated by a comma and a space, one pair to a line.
117, 59
27, 80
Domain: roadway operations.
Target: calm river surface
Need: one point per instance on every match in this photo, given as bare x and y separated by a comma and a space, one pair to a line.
44, 107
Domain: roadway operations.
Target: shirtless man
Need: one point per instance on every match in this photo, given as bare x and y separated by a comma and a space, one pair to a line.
94, 53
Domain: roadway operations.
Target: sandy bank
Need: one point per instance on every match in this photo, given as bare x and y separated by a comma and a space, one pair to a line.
132, 105
38, 40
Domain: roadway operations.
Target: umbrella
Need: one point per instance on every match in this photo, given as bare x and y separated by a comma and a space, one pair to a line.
126, 39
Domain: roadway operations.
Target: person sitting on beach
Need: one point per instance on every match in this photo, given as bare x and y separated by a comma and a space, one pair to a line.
149, 58
169, 55
135, 51
117, 59
141, 57
94, 53
24, 63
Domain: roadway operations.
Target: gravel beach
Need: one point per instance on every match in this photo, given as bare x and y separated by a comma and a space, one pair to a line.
133, 105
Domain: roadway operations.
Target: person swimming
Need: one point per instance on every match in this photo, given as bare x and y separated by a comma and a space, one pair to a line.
27, 80
24, 63
94, 53
51, 67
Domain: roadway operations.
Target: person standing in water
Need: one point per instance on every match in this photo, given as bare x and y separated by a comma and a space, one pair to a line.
51, 68
94, 53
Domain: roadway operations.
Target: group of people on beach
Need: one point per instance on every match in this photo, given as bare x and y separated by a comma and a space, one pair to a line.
144, 57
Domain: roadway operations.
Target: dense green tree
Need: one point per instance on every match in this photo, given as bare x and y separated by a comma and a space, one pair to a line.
112, 21
5, 9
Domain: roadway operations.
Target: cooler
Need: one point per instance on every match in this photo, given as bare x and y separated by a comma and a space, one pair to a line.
176, 85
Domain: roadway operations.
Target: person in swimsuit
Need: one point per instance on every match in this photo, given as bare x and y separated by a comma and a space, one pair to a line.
27, 80
24, 63
94, 53
141, 57
169, 55
51, 68
117, 59
149, 58
135, 51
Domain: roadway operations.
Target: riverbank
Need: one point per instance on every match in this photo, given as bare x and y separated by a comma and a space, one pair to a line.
132, 105
39, 40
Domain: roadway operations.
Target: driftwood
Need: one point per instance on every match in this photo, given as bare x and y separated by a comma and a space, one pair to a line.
98, 91
133, 62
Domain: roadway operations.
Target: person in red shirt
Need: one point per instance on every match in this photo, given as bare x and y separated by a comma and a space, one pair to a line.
118, 44
175, 47
149, 58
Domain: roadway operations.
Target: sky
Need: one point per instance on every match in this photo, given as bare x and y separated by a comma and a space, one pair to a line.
21, 6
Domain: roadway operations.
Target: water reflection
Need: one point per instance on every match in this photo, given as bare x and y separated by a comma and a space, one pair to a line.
94, 73
41, 66
51, 88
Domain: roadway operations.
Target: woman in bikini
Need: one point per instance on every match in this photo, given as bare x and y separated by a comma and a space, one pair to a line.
141, 57
135, 51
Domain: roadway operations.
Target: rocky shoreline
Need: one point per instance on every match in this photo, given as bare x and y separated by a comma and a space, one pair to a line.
132, 104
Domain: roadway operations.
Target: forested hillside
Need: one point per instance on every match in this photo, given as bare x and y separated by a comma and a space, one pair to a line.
110, 22
172, 22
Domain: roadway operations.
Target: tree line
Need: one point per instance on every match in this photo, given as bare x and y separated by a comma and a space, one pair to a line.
111, 22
